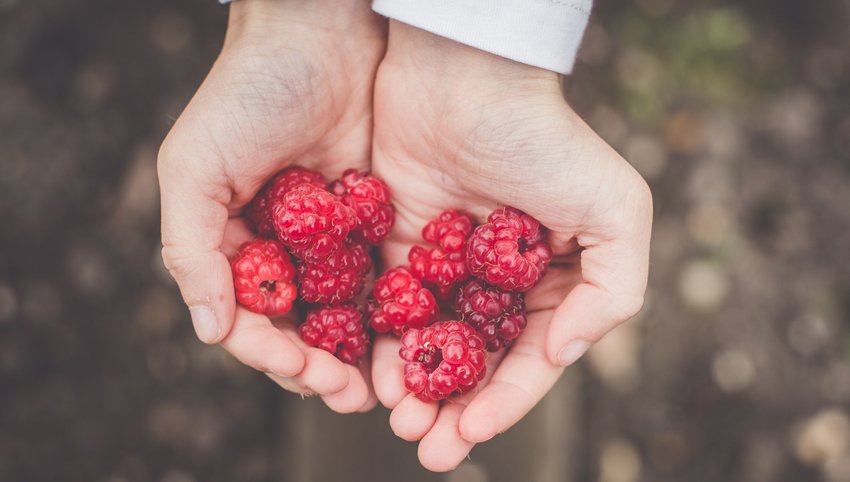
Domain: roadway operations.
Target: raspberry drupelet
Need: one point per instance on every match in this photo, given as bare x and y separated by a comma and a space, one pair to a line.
339, 278
399, 301
497, 315
369, 197
336, 329
443, 359
258, 213
312, 222
264, 277
509, 250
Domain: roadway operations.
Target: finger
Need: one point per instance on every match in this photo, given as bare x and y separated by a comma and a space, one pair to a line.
323, 373
194, 215
388, 371
257, 343
614, 271
366, 372
442, 448
352, 397
412, 418
524, 376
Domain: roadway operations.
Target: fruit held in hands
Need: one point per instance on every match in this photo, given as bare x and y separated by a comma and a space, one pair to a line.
497, 315
337, 329
264, 277
338, 278
369, 197
509, 250
258, 213
443, 268
443, 359
399, 301
312, 222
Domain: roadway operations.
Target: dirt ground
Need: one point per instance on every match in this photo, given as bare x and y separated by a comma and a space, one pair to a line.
738, 369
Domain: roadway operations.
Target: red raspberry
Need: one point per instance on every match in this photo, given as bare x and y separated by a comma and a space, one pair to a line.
444, 267
438, 269
399, 302
443, 359
497, 315
312, 222
258, 213
369, 197
264, 277
338, 278
509, 251
336, 329
455, 225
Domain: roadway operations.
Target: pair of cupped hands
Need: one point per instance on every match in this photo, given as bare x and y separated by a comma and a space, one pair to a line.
329, 85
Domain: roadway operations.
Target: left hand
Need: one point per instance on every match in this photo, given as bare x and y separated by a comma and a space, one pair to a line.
458, 128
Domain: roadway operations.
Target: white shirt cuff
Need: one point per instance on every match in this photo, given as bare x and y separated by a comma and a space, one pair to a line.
541, 33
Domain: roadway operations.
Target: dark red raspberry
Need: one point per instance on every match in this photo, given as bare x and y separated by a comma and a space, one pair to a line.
438, 269
443, 359
497, 315
454, 225
338, 278
264, 277
369, 197
312, 222
509, 250
258, 213
399, 302
337, 329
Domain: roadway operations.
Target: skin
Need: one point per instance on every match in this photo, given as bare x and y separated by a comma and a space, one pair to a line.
292, 85
488, 132
317, 83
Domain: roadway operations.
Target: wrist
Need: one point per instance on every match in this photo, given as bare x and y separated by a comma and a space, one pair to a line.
440, 58
332, 19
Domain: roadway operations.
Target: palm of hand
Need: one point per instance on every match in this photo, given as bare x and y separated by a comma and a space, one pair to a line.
264, 107
476, 154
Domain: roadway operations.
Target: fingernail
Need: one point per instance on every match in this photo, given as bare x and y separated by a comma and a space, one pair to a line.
206, 325
572, 352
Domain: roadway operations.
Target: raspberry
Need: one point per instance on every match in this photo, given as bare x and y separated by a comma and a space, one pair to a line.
399, 302
509, 251
438, 269
443, 359
258, 213
497, 315
369, 197
312, 222
454, 225
336, 329
264, 277
338, 278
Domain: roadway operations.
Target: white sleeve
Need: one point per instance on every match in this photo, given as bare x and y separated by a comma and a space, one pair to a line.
541, 33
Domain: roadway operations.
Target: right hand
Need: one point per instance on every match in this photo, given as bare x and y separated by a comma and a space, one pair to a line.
292, 85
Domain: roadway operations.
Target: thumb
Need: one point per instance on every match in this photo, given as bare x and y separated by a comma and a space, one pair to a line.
614, 272
194, 216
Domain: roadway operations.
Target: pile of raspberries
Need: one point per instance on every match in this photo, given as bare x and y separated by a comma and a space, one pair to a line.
313, 248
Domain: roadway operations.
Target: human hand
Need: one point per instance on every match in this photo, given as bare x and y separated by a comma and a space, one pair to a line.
292, 85
459, 128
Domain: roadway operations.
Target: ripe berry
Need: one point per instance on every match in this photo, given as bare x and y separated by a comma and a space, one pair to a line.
336, 329
312, 222
497, 315
338, 278
451, 224
369, 197
258, 213
439, 269
399, 302
509, 251
443, 359
264, 277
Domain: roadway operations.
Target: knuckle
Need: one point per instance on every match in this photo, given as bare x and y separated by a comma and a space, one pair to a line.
628, 307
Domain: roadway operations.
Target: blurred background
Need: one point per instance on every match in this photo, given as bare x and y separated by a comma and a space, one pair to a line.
738, 369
